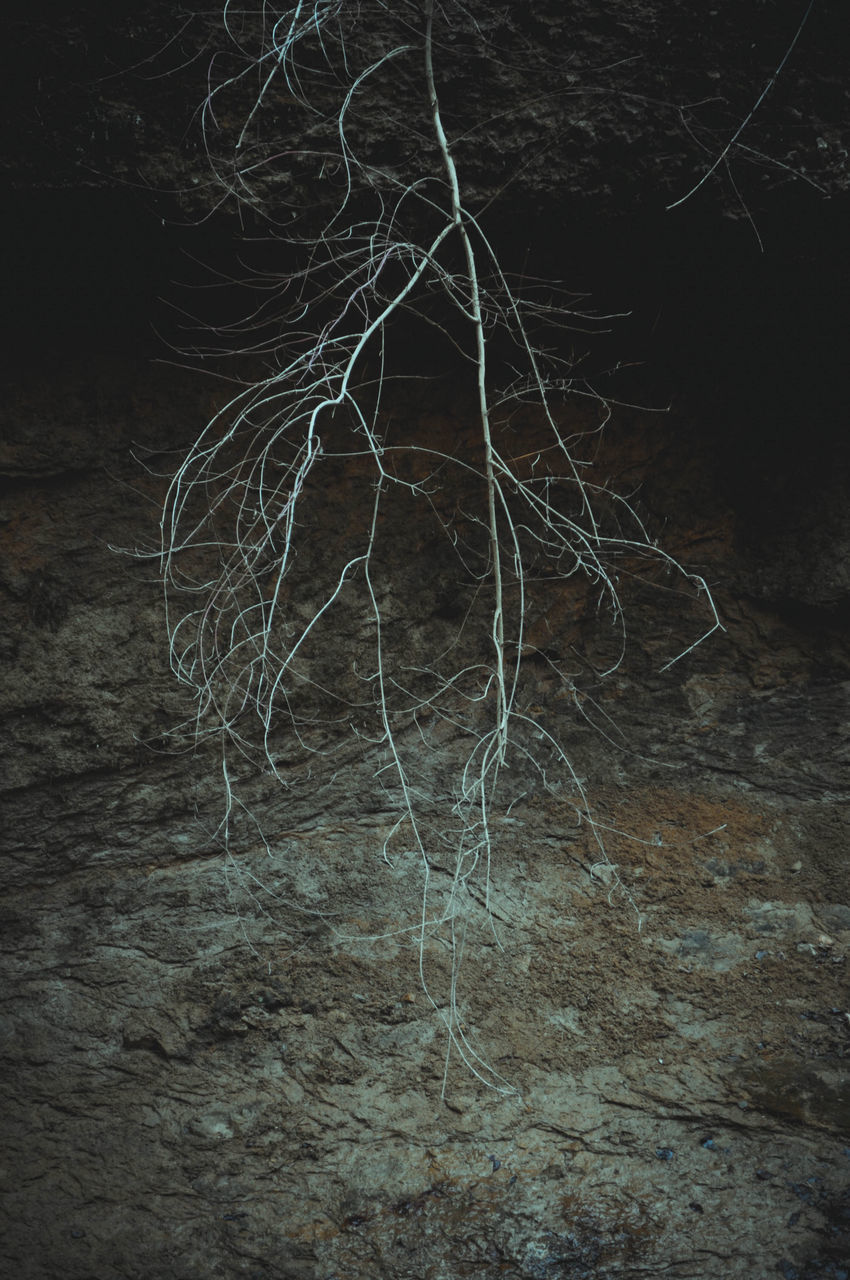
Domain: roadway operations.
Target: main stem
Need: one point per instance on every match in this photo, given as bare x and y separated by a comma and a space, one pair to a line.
459, 222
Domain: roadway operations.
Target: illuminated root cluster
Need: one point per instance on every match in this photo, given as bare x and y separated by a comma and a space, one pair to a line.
246, 629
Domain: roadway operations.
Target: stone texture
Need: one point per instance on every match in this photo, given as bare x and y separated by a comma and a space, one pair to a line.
624, 106
211, 1070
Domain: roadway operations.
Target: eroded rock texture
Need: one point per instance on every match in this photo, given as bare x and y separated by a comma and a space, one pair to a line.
201, 1079
626, 104
221, 1062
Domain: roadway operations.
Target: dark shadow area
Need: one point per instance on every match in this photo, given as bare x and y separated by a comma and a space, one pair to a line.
746, 335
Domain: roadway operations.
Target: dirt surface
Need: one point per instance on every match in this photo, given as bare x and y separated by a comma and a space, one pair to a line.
553, 108
223, 1063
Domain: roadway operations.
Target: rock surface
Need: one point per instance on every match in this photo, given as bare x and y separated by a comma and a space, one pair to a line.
210, 1069
620, 107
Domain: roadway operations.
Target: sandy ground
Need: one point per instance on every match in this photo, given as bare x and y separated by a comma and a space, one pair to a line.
228, 1064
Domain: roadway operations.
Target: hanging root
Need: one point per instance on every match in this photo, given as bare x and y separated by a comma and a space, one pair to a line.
245, 626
